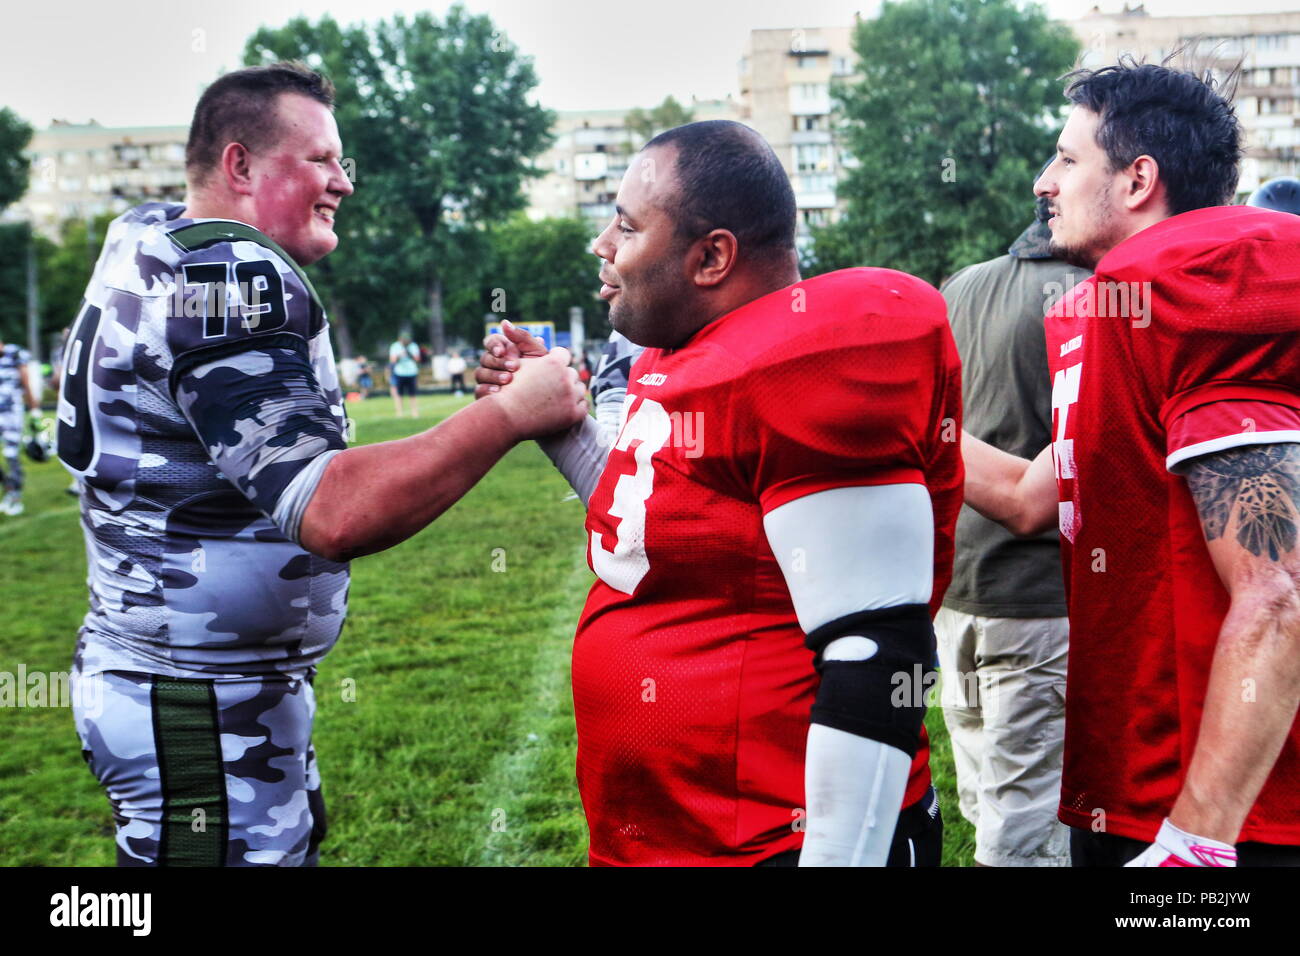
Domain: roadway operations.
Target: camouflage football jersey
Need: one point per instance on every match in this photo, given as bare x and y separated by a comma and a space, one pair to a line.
198, 384
609, 384
12, 360
616, 361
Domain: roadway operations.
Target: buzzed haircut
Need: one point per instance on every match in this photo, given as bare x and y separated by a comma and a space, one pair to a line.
1176, 117
240, 108
729, 178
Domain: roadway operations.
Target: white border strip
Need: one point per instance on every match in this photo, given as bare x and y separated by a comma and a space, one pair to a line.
1230, 441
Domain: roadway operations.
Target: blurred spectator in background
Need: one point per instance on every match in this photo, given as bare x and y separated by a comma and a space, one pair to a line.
1003, 631
15, 399
1281, 195
456, 369
403, 369
365, 376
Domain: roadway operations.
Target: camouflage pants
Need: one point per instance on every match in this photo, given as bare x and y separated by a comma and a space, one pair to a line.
204, 772
11, 434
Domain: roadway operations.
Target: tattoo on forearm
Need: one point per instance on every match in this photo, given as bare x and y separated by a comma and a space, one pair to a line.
1258, 483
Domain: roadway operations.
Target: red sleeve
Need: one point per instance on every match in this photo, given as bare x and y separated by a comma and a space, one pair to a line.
946, 475
1225, 415
1225, 320
845, 403
1219, 341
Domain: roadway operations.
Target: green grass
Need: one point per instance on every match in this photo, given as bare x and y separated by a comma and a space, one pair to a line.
457, 746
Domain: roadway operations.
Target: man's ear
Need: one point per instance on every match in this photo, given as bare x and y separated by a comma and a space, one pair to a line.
236, 169
1142, 183
716, 257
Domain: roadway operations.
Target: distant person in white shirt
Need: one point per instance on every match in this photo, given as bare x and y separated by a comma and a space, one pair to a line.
403, 367
456, 366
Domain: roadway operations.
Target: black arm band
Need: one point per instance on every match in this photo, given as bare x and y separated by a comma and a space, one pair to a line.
883, 697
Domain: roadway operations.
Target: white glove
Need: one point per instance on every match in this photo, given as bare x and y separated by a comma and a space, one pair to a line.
1175, 847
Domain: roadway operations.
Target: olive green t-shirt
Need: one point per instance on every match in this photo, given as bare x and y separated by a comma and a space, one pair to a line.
996, 309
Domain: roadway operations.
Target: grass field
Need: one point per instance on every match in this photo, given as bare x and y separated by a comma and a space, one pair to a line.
458, 746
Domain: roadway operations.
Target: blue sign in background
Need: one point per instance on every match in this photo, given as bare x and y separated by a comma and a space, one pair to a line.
538, 330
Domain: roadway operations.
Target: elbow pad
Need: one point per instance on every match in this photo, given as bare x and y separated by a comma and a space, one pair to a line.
875, 666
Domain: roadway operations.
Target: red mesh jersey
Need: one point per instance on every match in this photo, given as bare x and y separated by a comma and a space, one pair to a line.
692, 686
1186, 341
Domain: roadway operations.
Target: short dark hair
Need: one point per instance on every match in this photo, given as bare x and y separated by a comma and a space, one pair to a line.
240, 108
1177, 117
729, 178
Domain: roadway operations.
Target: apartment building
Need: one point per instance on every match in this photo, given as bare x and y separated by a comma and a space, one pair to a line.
81, 170
584, 166
1267, 45
785, 94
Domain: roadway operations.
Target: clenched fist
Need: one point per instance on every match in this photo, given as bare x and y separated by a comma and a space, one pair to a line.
504, 351
544, 396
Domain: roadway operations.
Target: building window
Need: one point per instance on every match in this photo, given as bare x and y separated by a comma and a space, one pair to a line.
818, 183
812, 157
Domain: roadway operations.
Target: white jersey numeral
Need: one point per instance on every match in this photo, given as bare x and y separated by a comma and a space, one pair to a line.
628, 564
1065, 395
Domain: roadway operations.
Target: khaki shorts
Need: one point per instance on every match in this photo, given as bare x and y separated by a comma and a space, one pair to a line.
1003, 698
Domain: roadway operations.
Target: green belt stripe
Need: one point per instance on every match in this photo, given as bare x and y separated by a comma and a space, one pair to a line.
189, 761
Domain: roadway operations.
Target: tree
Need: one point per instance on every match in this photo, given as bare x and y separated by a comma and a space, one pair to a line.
648, 123
437, 119
15, 238
956, 107
65, 268
366, 285
534, 272
15, 241
15, 134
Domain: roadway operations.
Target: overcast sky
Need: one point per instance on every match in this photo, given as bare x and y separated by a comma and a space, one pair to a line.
143, 62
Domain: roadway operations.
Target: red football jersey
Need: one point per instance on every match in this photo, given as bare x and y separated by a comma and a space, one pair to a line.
1186, 341
692, 686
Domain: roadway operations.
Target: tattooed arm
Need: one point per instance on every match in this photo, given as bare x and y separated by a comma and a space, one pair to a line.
1249, 502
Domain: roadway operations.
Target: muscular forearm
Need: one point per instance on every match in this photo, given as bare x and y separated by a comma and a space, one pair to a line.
1250, 707
1016, 493
374, 496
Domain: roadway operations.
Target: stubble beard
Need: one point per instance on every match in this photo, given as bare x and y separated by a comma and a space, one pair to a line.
646, 317
1087, 253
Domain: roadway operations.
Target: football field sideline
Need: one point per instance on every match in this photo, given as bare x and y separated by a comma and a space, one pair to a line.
516, 774
454, 656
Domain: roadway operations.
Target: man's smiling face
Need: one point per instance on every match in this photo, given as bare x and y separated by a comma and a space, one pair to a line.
644, 274
299, 180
